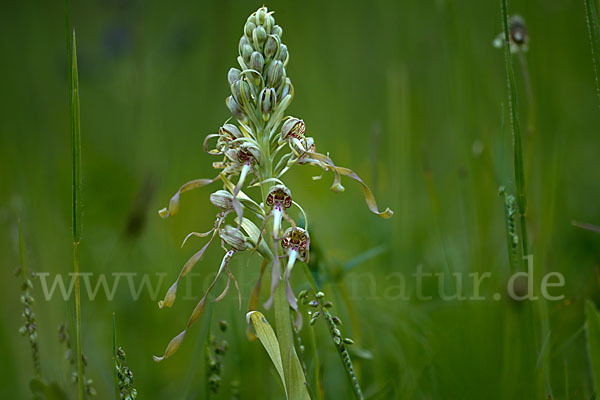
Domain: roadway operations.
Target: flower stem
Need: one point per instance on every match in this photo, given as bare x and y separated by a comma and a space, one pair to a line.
283, 324
517, 141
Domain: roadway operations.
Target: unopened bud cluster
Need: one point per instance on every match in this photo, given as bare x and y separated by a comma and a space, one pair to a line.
261, 82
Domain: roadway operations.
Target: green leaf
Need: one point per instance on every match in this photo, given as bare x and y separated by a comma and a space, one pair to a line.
267, 338
593, 340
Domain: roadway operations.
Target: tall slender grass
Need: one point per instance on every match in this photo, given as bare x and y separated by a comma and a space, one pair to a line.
519, 168
76, 202
591, 14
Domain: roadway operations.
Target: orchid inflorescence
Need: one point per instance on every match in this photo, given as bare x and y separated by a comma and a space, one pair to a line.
518, 35
259, 150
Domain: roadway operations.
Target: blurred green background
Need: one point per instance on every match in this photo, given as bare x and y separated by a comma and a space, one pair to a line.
410, 94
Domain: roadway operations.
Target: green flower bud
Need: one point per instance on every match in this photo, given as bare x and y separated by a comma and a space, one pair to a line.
248, 28
230, 131
235, 238
259, 35
275, 74
244, 41
266, 100
246, 52
233, 75
271, 46
241, 92
222, 199
282, 54
277, 31
286, 88
269, 22
261, 14
235, 108
257, 61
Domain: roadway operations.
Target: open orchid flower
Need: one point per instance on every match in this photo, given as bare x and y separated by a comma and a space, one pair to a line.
296, 244
518, 35
304, 152
279, 199
256, 148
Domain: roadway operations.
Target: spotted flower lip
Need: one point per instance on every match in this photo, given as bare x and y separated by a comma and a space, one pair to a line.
297, 239
279, 196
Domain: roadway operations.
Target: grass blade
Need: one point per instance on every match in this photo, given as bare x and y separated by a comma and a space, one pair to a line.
76, 202
591, 17
517, 141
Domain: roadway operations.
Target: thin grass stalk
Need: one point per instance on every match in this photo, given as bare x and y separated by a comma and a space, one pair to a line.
591, 18
516, 130
76, 204
317, 367
114, 348
341, 348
